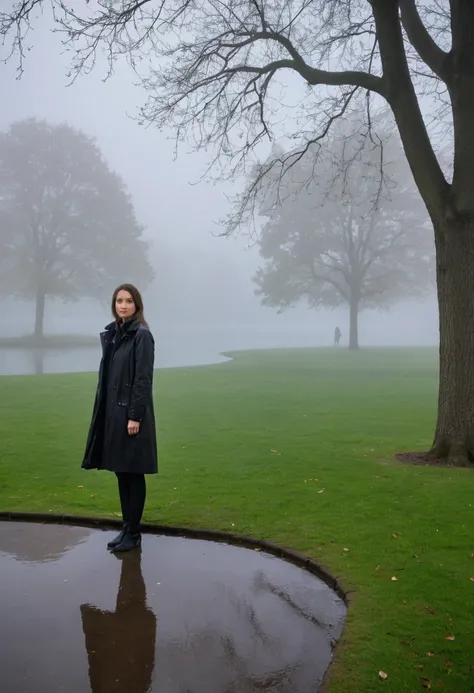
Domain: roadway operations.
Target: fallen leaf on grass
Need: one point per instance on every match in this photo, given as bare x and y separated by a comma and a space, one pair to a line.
346, 549
430, 654
394, 579
426, 683
448, 664
395, 535
430, 611
322, 491
80, 487
449, 637
471, 579
383, 675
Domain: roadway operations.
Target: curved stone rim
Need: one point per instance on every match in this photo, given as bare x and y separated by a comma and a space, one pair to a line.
242, 540
291, 556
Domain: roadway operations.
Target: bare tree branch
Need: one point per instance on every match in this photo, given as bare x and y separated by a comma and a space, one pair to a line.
311, 75
429, 51
17, 24
407, 111
215, 69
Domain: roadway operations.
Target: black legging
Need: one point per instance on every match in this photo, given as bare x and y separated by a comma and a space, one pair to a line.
132, 490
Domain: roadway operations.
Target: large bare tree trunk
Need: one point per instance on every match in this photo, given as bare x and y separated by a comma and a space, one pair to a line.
451, 206
454, 436
39, 314
353, 325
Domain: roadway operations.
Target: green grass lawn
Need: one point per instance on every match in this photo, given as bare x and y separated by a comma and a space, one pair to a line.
296, 447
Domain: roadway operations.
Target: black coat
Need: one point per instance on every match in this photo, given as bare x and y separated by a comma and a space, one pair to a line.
124, 392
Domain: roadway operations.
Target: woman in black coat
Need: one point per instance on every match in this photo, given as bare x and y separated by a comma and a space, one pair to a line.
122, 435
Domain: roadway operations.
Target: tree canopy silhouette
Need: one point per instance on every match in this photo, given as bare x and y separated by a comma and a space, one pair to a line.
327, 243
67, 225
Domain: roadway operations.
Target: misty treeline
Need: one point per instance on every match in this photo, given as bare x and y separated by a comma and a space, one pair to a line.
335, 240
67, 225
216, 70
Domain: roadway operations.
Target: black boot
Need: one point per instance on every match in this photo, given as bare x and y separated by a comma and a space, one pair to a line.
130, 541
118, 539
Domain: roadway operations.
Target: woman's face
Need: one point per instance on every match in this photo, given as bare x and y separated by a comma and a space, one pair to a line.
124, 305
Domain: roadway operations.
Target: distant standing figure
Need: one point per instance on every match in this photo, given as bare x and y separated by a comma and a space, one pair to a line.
122, 436
337, 336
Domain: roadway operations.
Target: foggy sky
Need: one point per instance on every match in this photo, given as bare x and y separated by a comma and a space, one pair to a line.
179, 217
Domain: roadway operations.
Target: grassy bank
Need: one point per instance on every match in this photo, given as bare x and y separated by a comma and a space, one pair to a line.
296, 447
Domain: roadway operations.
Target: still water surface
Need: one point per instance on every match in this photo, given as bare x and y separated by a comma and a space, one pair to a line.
180, 616
14, 361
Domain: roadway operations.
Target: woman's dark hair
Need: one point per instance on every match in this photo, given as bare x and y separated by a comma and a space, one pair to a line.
137, 299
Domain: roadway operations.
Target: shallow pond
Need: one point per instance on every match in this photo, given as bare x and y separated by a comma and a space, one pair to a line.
179, 616
26, 361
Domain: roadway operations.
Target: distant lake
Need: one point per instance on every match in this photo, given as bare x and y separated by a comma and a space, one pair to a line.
26, 361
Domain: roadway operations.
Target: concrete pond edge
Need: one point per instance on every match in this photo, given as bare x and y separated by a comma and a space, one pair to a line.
241, 540
294, 557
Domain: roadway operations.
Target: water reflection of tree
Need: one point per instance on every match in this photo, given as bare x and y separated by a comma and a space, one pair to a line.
121, 644
262, 583
281, 677
248, 657
331, 629
39, 542
217, 666
234, 649
38, 360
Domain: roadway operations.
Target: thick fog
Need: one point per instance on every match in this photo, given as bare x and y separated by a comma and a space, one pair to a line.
203, 293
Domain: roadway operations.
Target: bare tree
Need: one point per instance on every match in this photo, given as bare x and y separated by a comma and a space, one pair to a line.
326, 243
217, 80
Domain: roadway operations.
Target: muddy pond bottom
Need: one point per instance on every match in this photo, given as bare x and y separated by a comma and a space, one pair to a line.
178, 616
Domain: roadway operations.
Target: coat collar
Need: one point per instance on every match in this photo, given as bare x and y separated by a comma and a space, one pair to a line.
125, 328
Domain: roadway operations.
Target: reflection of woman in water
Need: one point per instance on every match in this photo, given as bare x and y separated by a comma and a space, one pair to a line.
121, 644
122, 435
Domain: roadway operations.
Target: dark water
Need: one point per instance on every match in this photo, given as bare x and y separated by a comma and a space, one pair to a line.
181, 616
14, 361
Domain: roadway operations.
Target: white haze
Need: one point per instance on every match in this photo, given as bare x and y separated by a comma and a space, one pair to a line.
208, 296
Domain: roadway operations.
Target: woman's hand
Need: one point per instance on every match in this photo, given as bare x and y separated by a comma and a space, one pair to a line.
133, 427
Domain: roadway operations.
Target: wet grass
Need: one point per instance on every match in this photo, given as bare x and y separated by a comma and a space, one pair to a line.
297, 447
